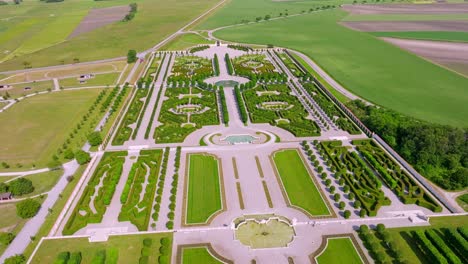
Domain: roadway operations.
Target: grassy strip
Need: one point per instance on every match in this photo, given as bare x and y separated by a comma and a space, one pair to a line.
339, 250
224, 108
454, 36
239, 195
143, 110
234, 165
267, 194
259, 167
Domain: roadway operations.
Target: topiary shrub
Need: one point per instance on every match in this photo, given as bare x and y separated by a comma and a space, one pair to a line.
143, 260
147, 242
27, 208
75, 258
21, 186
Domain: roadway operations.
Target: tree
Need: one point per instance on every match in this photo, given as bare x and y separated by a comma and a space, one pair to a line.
347, 214
336, 197
6, 238
68, 154
95, 138
82, 157
3, 187
27, 208
341, 205
16, 259
21, 186
131, 56
380, 228
364, 229
357, 204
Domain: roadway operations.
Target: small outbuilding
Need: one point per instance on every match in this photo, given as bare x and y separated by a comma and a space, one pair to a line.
5, 196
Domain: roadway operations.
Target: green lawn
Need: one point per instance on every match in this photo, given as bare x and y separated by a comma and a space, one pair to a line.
297, 182
204, 190
462, 200
405, 17
43, 182
129, 248
367, 66
426, 35
19, 91
107, 79
339, 250
154, 21
186, 41
198, 255
33, 129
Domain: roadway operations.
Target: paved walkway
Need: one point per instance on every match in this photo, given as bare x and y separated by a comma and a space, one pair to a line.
30, 229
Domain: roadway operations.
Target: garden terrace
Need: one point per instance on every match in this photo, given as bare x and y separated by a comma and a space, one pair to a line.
361, 180
189, 68
138, 194
292, 118
127, 127
292, 66
204, 196
398, 180
256, 67
332, 110
176, 126
153, 68
339, 250
97, 195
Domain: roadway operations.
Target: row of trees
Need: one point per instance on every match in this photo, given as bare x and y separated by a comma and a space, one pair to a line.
240, 104
438, 152
216, 65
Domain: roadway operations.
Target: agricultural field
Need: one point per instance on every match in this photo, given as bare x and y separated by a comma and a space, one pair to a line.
357, 176
141, 32
454, 36
186, 110
203, 195
98, 193
403, 185
274, 104
339, 250
185, 41
139, 191
122, 249
298, 184
363, 62
42, 124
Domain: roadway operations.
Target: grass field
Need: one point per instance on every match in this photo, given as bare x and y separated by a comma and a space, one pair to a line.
154, 21
339, 250
198, 255
426, 35
19, 91
186, 41
43, 182
369, 67
204, 190
33, 129
129, 248
107, 79
406, 17
297, 182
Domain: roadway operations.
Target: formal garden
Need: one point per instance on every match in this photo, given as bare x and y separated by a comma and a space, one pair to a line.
97, 195
190, 68
292, 66
274, 104
139, 191
355, 176
185, 110
339, 250
203, 194
331, 109
253, 63
398, 180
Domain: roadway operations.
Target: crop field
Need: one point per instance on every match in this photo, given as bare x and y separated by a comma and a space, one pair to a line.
204, 194
406, 17
275, 105
126, 248
138, 194
98, 194
107, 79
185, 41
357, 176
297, 182
406, 83
185, 110
154, 21
195, 255
41, 124
339, 250
402, 184
426, 35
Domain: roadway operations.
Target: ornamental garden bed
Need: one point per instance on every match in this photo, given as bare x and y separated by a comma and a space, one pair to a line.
190, 68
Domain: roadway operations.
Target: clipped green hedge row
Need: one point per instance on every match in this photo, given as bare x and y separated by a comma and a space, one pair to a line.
429, 247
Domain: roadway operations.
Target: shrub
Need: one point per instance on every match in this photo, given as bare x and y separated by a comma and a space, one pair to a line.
68, 154
357, 204
163, 259
27, 208
143, 260
336, 197
131, 56
62, 258
16, 259
362, 213
332, 189
442, 246
145, 251
147, 242
380, 228
21, 186
95, 138
170, 225
347, 214
341, 205
82, 157
6, 238
75, 258
363, 229
99, 257
165, 241
112, 256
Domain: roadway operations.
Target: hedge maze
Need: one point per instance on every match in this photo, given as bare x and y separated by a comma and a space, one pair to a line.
139, 191
97, 195
125, 130
331, 110
357, 176
398, 180
186, 110
274, 104
190, 68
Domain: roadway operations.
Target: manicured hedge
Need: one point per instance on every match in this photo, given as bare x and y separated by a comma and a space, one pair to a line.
440, 244
224, 108
428, 247
216, 65
229, 66
62, 258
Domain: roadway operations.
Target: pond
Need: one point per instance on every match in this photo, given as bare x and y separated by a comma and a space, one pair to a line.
239, 139
227, 83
